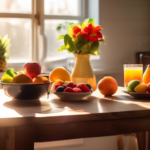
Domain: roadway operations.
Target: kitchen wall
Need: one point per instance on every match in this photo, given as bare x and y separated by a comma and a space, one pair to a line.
126, 27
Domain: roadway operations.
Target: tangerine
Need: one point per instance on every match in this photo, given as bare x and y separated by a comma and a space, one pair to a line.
107, 86
40, 79
21, 78
59, 73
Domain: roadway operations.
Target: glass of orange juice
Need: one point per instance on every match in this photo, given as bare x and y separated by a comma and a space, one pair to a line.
132, 72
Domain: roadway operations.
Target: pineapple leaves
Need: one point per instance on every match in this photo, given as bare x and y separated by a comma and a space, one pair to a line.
4, 46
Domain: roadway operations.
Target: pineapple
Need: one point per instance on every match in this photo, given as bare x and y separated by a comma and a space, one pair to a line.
4, 51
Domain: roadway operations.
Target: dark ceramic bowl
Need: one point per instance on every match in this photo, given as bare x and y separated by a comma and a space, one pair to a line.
26, 91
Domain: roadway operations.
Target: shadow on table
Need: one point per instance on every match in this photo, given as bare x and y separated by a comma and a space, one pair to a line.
86, 105
30, 107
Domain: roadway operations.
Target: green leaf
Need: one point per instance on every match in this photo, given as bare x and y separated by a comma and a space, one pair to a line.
61, 48
94, 49
102, 40
79, 25
70, 31
69, 43
85, 49
90, 20
71, 24
60, 37
80, 41
58, 28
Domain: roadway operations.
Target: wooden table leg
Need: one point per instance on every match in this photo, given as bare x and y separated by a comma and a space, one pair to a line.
7, 138
141, 140
24, 138
17, 138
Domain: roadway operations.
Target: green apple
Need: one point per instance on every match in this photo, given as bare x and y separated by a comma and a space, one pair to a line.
132, 84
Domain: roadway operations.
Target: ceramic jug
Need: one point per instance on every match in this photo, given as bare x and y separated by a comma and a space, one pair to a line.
82, 71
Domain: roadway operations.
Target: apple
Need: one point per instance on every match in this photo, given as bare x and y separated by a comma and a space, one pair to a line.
32, 69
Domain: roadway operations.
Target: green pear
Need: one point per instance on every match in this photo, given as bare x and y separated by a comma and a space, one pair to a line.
132, 84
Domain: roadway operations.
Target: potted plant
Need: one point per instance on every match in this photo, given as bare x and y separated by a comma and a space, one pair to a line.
4, 52
83, 40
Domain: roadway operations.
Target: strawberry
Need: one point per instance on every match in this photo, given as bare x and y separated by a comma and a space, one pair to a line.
68, 89
74, 85
77, 90
70, 84
83, 87
55, 86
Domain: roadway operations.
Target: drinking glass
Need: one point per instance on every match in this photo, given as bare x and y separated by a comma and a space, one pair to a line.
132, 72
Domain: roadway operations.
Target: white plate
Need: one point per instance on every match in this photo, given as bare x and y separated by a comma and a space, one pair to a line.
72, 96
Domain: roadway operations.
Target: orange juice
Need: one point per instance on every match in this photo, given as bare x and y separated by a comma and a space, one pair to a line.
132, 73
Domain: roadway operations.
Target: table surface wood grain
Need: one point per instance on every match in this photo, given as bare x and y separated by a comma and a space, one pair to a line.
95, 107
95, 116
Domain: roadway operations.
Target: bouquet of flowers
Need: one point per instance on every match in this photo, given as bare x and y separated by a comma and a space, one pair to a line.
82, 38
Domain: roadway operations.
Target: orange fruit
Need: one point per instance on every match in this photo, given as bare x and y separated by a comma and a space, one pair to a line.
22, 78
59, 73
40, 79
107, 86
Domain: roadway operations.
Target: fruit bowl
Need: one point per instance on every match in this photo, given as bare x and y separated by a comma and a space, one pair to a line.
72, 96
25, 91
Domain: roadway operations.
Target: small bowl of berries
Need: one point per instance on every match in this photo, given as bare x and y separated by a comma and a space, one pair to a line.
70, 91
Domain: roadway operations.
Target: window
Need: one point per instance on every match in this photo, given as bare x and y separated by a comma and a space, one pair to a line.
31, 26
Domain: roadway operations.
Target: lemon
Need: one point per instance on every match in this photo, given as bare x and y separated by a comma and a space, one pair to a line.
141, 88
132, 84
59, 73
20, 72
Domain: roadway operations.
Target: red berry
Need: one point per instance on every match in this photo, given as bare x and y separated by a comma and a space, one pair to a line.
83, 87
68, 89
148, 85
70, 84
74, 85
55, 86
148, 91
77, 90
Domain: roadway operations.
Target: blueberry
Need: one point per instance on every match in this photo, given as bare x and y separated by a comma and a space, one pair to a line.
64, 86
60, 89
89, 86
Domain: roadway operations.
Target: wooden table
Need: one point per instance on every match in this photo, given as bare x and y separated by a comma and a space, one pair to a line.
94, 117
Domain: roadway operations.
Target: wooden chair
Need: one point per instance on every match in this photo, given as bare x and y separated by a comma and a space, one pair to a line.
145, 60
143, 138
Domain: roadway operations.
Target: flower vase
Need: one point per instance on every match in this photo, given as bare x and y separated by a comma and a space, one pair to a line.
82, 71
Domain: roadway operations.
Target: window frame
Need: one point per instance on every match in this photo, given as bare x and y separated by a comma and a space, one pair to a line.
41, 43
33, 17
38, 46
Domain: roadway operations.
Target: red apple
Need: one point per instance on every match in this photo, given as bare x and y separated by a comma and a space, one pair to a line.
32, 69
